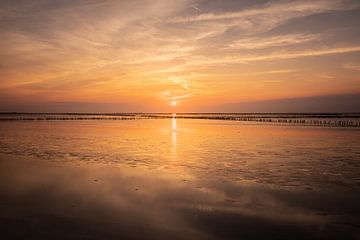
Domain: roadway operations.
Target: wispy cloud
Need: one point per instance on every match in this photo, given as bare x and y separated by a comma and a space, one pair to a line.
352, 66
273, 41
289, 8
259, 18
281, 55
281, 71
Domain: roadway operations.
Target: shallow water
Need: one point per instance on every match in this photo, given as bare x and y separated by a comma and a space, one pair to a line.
178, 179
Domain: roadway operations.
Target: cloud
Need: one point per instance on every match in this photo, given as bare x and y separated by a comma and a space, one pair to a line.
300, 8
121, 49
178, 88
352, 66
267, 16
273, 41
280, 55
257, 19
300, 54
281, 71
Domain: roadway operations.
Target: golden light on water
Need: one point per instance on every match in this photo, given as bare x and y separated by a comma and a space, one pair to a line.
173, 136
173, 122
176, 173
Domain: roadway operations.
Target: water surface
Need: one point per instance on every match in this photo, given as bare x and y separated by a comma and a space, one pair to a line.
178, 179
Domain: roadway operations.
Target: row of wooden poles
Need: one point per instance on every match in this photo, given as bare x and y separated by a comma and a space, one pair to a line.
319, 122
56, 118
339, 123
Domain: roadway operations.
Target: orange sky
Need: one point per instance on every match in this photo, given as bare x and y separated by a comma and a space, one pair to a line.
181, 55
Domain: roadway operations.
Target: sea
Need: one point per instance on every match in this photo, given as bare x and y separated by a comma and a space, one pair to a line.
180, 176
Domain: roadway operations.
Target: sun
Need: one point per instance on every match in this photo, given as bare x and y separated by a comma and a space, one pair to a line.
173, 103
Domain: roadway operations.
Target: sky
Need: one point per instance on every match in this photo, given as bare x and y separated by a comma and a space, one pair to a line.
179, 55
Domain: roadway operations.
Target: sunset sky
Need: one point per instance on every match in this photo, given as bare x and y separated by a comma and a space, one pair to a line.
180, 55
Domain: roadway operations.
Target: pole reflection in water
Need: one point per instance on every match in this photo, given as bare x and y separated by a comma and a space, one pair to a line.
173, 135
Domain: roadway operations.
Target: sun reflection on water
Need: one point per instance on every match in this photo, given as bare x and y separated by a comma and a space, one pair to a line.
173, 135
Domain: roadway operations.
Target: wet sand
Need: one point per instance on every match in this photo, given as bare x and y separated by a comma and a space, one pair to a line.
190, 179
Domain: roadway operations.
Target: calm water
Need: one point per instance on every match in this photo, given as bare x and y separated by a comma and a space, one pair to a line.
178, 179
